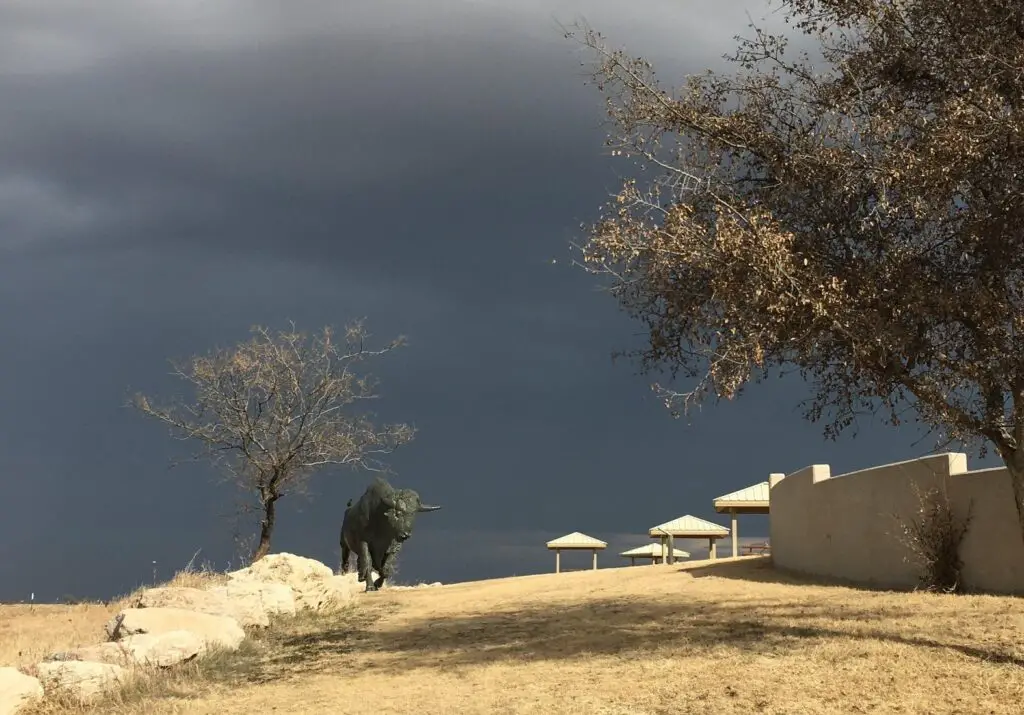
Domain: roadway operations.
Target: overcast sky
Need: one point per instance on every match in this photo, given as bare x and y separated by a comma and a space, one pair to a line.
172, 173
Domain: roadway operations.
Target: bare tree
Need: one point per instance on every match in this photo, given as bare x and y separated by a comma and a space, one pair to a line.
857, 218
271, 411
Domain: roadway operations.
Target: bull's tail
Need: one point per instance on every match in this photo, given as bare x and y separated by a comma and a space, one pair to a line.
344, 522
346, 553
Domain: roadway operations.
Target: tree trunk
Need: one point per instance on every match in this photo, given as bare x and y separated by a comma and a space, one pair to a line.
266, 529
1015, 466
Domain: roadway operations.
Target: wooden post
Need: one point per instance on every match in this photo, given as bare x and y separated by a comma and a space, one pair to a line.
671, 550
558, 560
595, 559
735, 535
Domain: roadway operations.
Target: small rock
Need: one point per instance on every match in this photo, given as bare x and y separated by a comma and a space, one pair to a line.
62, 655
344, 587
222, 631
81, 679
17, 691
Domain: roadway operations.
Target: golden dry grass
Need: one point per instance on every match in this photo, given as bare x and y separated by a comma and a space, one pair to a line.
28, 633
723, 637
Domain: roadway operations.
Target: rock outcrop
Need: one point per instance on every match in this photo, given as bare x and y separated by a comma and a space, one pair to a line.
170, 625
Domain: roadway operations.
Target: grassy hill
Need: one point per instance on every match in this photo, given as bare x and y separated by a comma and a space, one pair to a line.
705, 637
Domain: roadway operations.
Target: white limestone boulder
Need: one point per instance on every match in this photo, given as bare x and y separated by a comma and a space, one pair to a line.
314, 585
80, 679
256, 602
160, 650
212, 602
18, 691
219, 631
247, 606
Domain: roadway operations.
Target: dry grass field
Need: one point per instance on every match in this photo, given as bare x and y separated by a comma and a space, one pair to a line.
720, 637
30, 633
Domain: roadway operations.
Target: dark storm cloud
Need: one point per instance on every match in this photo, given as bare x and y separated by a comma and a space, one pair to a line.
386, 141
174, 172
275, 131
113, 116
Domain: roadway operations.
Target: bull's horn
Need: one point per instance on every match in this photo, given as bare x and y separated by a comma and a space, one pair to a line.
428, 507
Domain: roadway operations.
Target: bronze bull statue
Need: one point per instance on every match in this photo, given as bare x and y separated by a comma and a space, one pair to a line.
375, 527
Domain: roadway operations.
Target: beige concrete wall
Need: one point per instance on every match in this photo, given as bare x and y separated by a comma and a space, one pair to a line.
845, 526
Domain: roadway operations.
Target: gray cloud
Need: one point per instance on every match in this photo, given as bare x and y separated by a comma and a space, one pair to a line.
144, 110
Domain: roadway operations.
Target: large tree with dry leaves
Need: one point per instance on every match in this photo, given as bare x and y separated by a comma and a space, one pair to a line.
856, 213
273, 410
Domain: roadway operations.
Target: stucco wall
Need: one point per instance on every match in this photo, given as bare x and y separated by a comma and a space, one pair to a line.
845, 526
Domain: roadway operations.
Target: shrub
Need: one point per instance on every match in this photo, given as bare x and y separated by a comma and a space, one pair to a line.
933, 535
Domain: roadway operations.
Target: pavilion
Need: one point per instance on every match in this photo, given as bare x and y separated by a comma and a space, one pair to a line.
652, 552
689, 527
575, 541
750, 500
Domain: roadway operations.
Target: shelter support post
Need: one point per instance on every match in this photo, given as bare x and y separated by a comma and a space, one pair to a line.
595, 559
712, 549
671, 550
663, 549
632, 561
735, 535
558, 560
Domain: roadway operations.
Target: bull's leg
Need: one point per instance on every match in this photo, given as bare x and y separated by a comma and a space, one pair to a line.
346, 555
365, 564
382, 572
387, 566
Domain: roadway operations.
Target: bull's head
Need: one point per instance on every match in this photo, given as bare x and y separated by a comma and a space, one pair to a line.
402, 506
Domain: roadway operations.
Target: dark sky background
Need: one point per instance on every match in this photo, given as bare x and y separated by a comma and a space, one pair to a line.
172, 173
